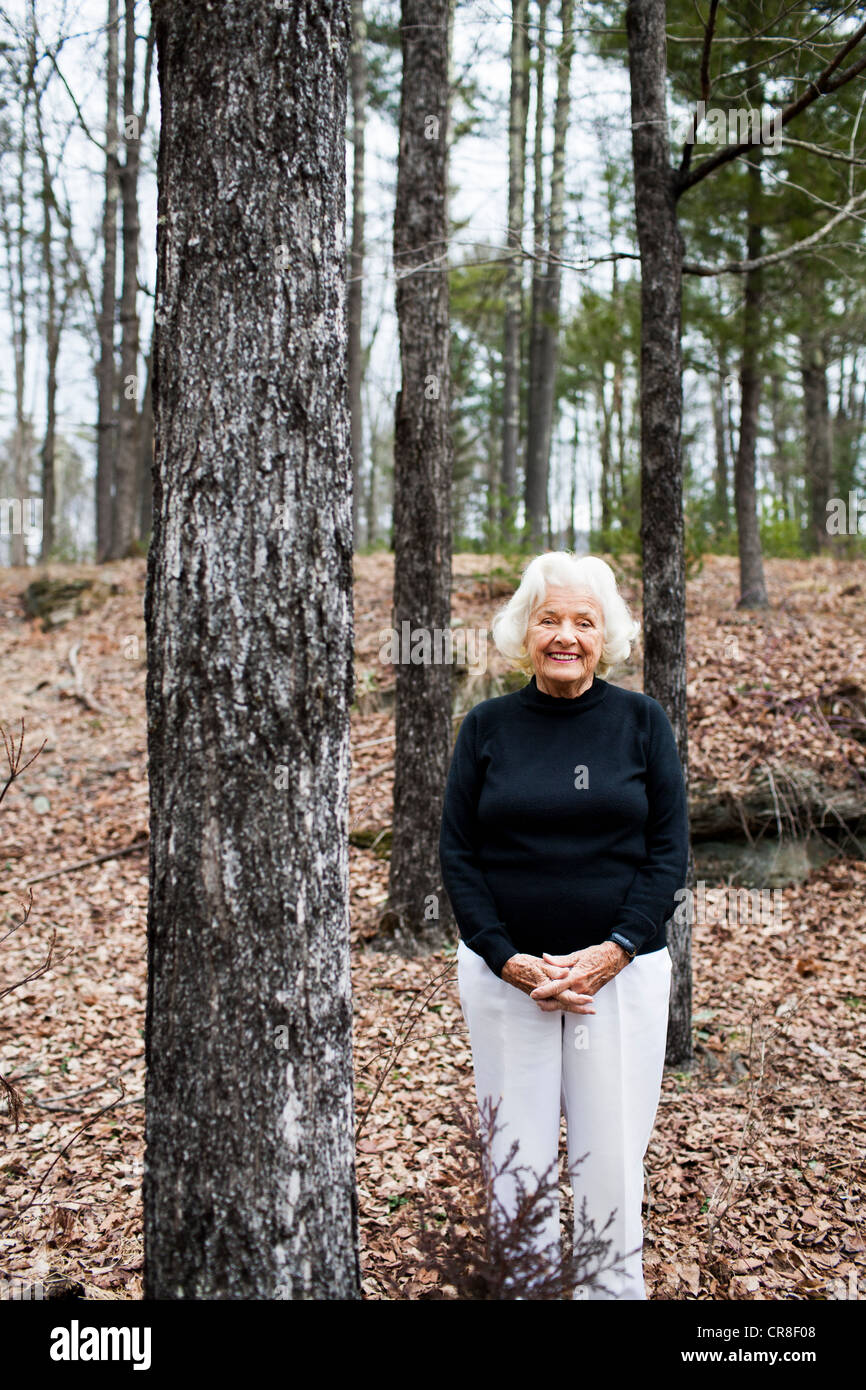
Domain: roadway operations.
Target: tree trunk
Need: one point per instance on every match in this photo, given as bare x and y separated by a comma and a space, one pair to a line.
18, 294
124, 528
517, 114
106, 424
52, 347
145, 461
618, 411
535, 491
816, 436
618, 354
572, 509
662, 531
249, 1186
541, 429
418, 916
603, 427
847, 430
358, 76
781, 454
753, 592
371, 497
722, 505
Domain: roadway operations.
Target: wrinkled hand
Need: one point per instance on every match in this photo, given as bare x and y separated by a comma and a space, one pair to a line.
530, 973
580, 974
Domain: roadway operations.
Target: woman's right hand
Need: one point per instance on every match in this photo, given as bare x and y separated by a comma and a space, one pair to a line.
527, 972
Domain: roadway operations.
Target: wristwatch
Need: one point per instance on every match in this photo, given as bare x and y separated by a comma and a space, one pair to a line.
630, 950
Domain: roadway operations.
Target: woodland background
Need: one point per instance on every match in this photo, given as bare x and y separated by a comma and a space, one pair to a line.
495, 380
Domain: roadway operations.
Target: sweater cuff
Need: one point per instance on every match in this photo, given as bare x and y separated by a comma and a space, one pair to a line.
637, 930
494, 948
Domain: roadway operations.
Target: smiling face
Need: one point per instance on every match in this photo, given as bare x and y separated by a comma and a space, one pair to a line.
564, 640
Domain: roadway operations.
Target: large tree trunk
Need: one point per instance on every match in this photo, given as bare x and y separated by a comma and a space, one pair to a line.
753, 592
542, 408
249, 1186
358, 73
517, 113
816, 435
106, 423
662, 531
418, 914
124, 528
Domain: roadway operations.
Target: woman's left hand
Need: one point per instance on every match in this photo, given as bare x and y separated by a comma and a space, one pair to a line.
581, 972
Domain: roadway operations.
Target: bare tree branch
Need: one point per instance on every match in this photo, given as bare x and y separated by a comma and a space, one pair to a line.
818, 88
822, 150
705, 83
774, 257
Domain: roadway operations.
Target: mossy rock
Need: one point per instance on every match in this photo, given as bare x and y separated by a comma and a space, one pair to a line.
56, 601
377, 840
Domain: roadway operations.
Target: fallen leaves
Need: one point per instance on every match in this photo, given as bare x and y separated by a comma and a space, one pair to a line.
784, 1145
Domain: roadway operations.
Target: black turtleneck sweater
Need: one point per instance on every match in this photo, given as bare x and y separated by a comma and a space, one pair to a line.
564, 820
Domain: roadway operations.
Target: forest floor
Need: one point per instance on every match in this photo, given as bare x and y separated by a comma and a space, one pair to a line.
755, 1168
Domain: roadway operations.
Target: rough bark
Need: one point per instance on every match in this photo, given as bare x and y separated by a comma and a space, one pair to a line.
358, 81
106, 422
662, 531
418, 916
753, 592
517, 114
249, 1186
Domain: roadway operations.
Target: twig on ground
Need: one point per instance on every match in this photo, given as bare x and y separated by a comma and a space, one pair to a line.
17, 1217
81, 692
97, 859
403, 1033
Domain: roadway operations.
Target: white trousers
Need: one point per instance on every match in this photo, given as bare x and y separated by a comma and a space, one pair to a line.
603, 1071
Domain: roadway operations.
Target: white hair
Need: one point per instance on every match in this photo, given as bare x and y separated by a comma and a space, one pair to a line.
586, 573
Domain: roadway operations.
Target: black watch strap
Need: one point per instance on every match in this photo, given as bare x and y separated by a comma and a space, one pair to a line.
624, 942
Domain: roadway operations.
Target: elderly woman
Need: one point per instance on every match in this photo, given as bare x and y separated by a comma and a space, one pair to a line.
564, 840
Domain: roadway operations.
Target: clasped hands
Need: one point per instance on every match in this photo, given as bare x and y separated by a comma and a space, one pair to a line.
567, 982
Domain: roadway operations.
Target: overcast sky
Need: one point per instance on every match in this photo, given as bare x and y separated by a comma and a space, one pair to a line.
482, 35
